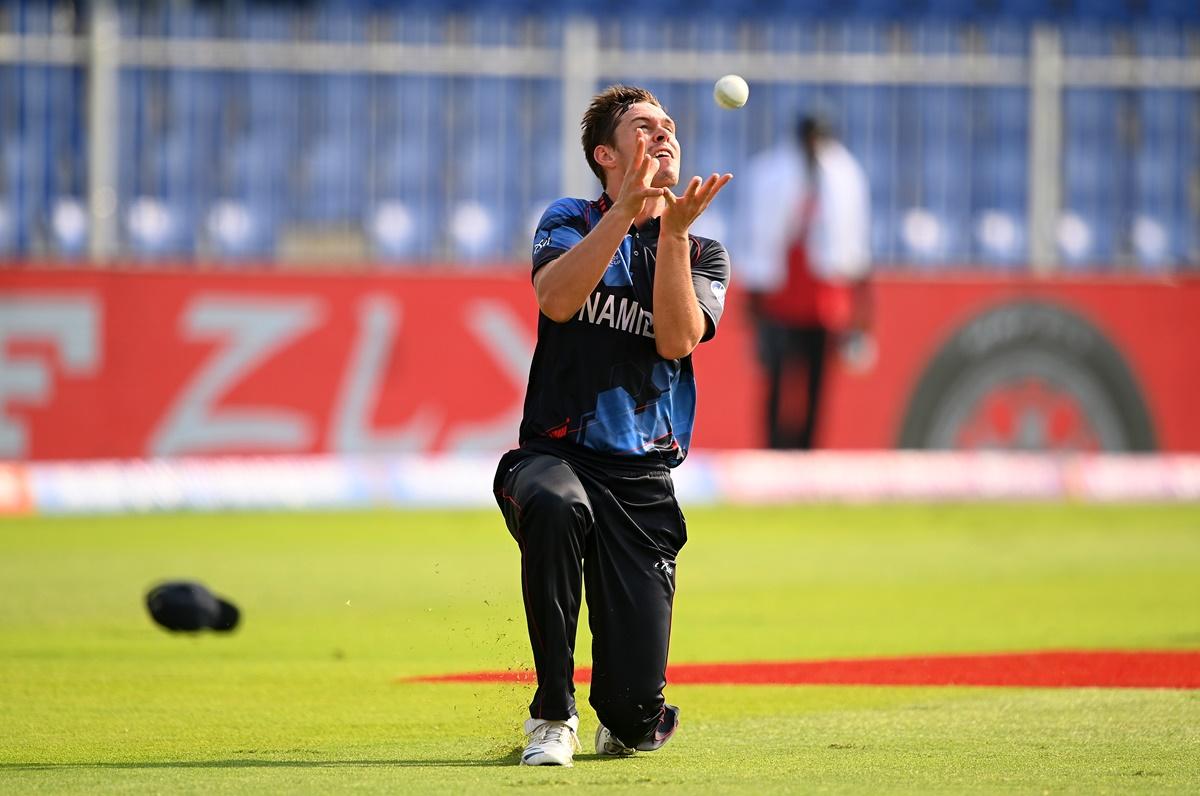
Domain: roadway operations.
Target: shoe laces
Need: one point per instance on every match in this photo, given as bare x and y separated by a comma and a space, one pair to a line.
612, 745
553, 732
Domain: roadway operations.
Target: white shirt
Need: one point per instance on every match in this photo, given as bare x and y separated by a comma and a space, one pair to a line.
768, 217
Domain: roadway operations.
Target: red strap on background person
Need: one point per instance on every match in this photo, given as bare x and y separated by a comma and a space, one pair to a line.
803, 299
796, 301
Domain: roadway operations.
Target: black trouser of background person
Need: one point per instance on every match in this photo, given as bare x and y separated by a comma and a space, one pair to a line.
794, 360
620, 531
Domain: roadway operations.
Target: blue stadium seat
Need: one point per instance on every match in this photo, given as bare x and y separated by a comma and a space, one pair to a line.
156, 228
879, 162
1174, 10
175, 174
1152, 241
29, 184
1005, 38
856, 36
67, 227
405, 169
1091, 121
1087, 38
8, 228
946, 190
1083, 172
929, 240
1160, 39
884, 251
999, 179
1081, 242
258, 180
273, 102
1006, 111
195, 103
333, 187
399, 230
999, 238
189, 20
931, 37
11, 194
411, 154
1033, 9
858, 116
540, 107
475, 230
478, 169
263, 154
792, 36
496, 22
1107, 11
1160, 114
954, 10
264, 21
484, 148
336, 160
878, 9
705, 28
420, 23
35, 18
237, 229
1161, 169
937, 122
1157, 179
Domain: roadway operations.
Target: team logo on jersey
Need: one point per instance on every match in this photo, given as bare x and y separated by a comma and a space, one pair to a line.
617, 274
718, 291
541, 244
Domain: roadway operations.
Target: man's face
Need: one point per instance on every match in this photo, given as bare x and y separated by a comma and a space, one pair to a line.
659, 130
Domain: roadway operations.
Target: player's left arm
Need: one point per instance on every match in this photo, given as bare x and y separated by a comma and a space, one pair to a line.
679, 323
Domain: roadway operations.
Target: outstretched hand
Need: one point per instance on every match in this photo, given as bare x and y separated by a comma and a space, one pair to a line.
682, 211
635, 187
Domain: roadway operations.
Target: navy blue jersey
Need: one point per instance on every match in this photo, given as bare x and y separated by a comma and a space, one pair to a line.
597, 384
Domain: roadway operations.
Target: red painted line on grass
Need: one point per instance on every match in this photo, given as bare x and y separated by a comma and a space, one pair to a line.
1173, 669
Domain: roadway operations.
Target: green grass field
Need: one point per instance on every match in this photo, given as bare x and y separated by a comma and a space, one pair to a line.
304, 696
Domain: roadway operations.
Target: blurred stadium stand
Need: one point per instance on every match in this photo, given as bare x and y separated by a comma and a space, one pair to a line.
273, 143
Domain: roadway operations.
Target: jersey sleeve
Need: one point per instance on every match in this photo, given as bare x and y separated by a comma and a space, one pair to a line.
561, 227
710, 278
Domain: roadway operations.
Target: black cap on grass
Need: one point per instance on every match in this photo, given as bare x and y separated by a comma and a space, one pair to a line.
187, 605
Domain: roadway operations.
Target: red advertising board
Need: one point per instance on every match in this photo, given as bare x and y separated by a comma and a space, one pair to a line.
1105, 364
98, 364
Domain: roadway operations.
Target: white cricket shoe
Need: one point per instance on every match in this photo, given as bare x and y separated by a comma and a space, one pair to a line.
551, 743
607, 744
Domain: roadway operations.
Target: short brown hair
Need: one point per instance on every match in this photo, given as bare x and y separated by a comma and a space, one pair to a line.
604, 114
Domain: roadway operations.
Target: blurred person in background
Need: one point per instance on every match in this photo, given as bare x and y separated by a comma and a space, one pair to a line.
804, 257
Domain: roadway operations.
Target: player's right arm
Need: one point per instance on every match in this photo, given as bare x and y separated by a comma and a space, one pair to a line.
564, 284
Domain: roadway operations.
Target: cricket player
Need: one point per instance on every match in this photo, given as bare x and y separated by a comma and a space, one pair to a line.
626, 294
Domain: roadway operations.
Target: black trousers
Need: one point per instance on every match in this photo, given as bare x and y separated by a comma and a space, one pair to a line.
794, 359
620, 531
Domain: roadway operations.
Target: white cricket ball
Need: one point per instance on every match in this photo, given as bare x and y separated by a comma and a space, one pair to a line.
731, 92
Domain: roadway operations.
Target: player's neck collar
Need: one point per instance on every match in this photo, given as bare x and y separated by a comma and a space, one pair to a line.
605, 202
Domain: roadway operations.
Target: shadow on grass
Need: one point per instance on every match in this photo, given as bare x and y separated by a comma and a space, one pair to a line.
509, 759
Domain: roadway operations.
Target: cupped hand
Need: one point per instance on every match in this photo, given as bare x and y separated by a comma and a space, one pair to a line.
682, 211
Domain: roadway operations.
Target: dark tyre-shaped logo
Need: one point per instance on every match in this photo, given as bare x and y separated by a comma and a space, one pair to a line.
1028, 376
